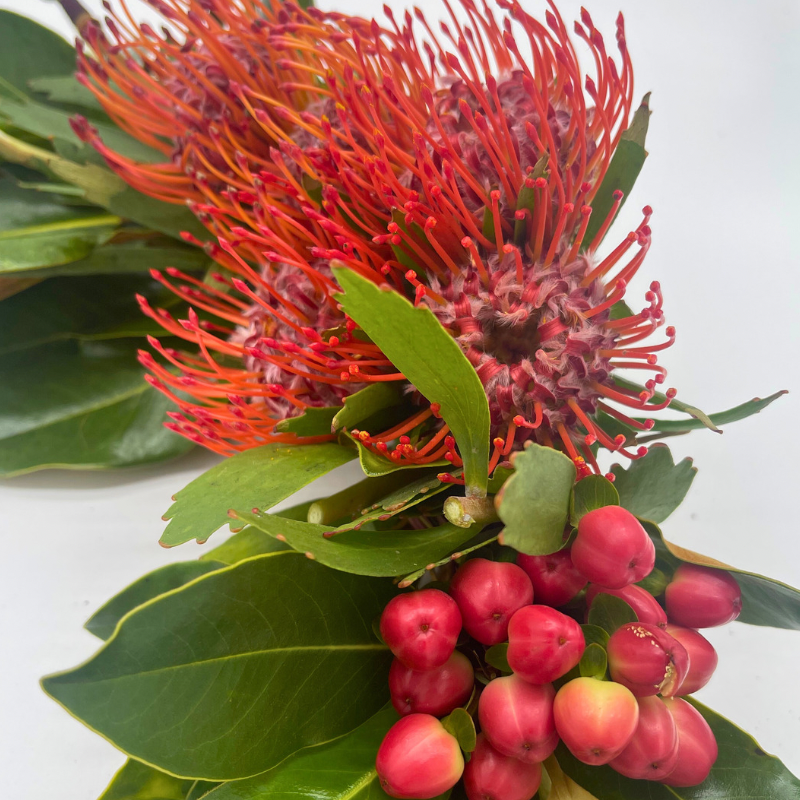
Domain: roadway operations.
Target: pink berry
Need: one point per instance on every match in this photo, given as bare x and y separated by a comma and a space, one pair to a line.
490, 775
697, 746
647, 660
418, 758
543, 644
421, 628
653, 751
641, 601
612, 548
701, 597
702, 658
555, 579
517, 718
434, 691
488, 593
595, 719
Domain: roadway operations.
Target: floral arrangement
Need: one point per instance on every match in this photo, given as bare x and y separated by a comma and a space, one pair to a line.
384, 242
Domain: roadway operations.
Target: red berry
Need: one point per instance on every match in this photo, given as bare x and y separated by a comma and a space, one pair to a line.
647, 660
702, 658
612, 548
517, 718
697, 746
641, 601
421, 628
653, 751
488, 593
434, 691
543, 644
490, 775
701, 597
555, 579
418, 758
596, 719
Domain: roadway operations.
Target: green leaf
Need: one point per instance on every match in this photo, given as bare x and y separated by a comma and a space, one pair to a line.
624, 169
257, 478
66, 89
610, 613
594, 662
312, 422
245, 544
534, 504
497, 657
459, 724
103, 622
136, 781
342, 770
365, 405
419, 347
376, 466
379, 553
227, 676
743, 771
558, 786
594, 634
654, 486
591, 492
201, 789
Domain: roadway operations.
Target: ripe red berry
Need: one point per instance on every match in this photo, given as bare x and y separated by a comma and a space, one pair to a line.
702, 658
490, 775
434, 691
697, 746
647, 660
612, 548
543, 644
641, 601
418, 759
517, 718
701, 597
488, 593
595, 719
421, 628
653, 751
555, 579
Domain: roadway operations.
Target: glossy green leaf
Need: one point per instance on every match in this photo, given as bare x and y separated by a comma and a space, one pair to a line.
379, 553
497, 657
624, 169
375, 465
743, 771
558, 786
594, 662
654, 486
201, 789
419, 347
591, 492
342, 770
479, 540
594, 634
103, 622
137, 781
459, 723
226, 677
610, 613
312, 422
366, 404
535, 501
257, 478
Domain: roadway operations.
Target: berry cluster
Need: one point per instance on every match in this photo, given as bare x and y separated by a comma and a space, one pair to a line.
637, 722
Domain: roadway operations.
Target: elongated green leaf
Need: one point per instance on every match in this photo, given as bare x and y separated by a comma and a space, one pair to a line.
376, 466
534, 503
342, 770
419, 347
743, 771
591, 492
201, 789
558, 786
594, 662
136, 781
654, 486
66, 89
497, 657
244, 544
160, 581
227, 676
312, 422
258, 478
610, 613
366, 405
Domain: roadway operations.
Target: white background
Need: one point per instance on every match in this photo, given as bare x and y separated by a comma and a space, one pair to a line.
723, 178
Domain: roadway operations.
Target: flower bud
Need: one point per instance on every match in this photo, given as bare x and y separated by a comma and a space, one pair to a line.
701, 597
612, 548
488, 593
517, 718
642, 602
490, 775
434, 691
653, 751
647, 660
543, 644
702, 658
421, 628
418, 759
555, 579
697, 746
596, 719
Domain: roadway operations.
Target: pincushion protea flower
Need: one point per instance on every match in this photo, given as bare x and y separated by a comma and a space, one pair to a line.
458, 167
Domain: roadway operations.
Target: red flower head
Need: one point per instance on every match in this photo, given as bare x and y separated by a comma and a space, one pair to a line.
457, 166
